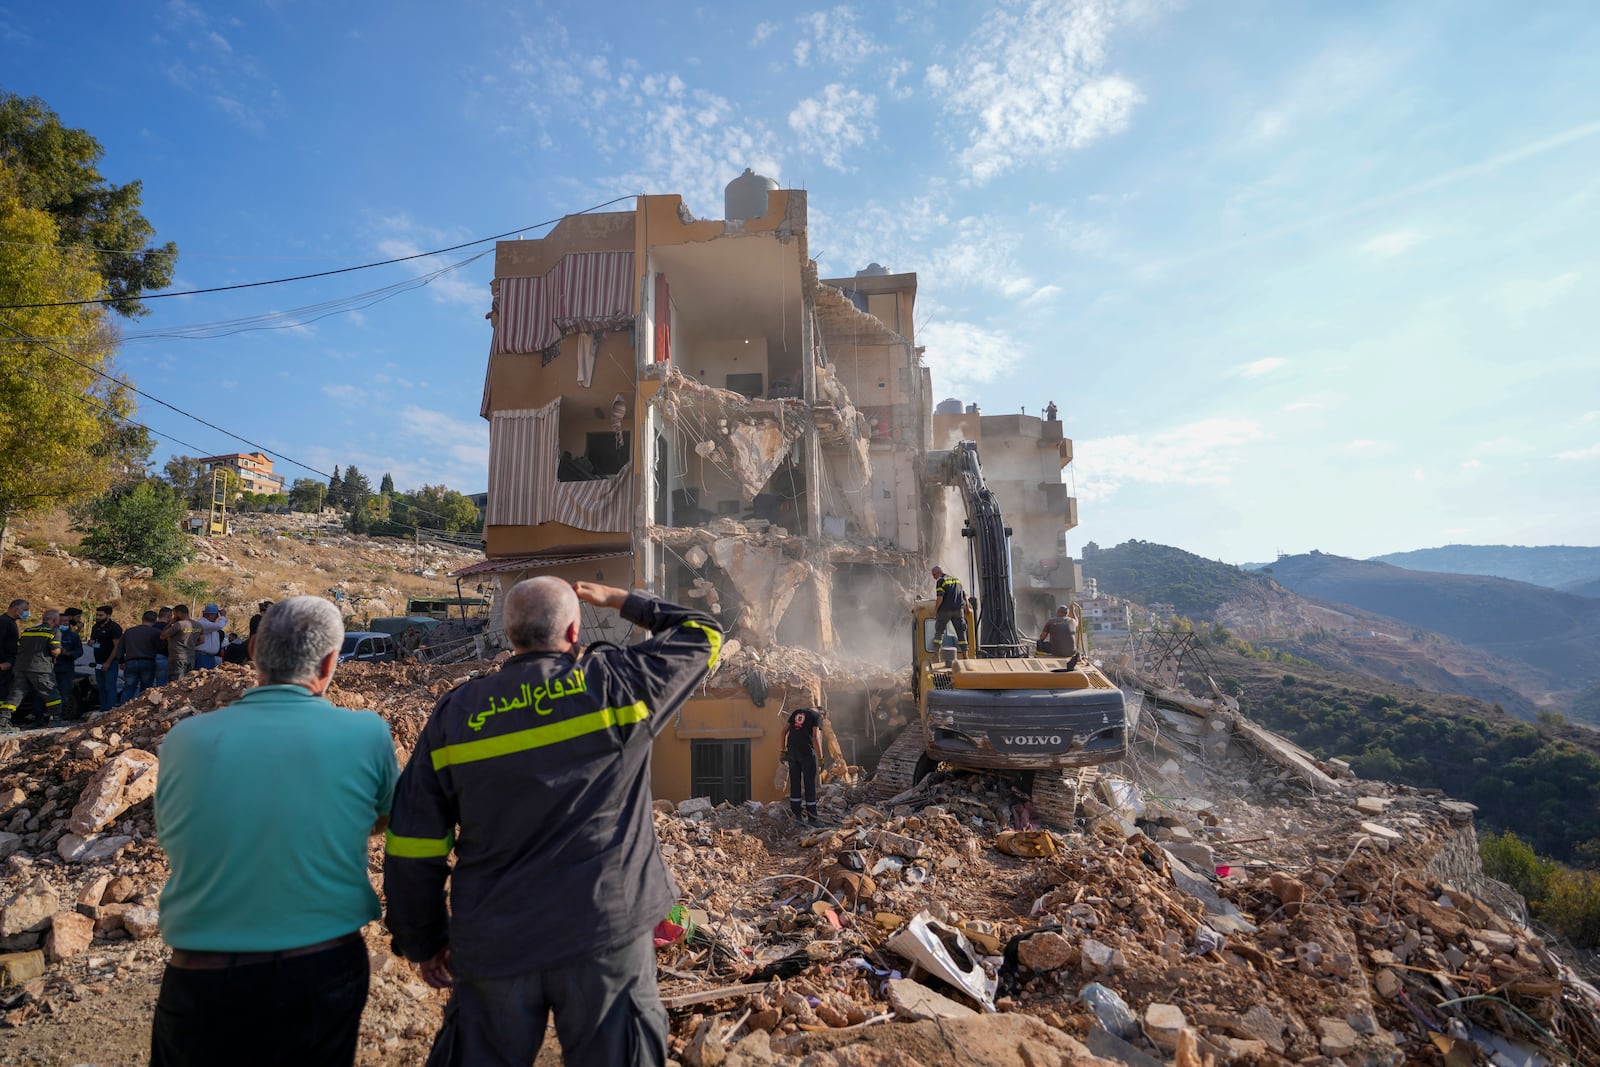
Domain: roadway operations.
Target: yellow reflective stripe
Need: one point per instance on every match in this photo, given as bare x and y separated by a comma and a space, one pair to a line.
539, 736
416, 848
713, 638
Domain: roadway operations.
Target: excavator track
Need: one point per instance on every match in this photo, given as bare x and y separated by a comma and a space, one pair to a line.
897, 767
1055, 796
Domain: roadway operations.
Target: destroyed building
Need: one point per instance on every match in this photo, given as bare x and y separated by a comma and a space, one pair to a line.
1023, 457
682, 405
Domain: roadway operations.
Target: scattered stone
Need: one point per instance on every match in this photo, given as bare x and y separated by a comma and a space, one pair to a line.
95, 848
141, 922
19, 967
93, 895
1101, 957
89, 749
70, 934
695, 806
29, 910
9, 843
1338, 1039
1048, 951
913, 1001
1163, 1023
113, 789
1371, 805
11, 800
120, 890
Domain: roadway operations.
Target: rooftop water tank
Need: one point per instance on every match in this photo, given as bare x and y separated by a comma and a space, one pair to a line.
746, 196
948, 407
872, 270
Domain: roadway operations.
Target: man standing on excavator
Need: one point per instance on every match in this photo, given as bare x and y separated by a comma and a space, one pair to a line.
952, 608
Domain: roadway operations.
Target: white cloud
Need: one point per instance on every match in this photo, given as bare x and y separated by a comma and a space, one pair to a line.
829, 125
458, 443
1592, 452
213, 71
344, 392
1417, 475
762, 32
1305, 405
963, 355
1363, 444
897, 73
1330, 82
456, 287
982, 253
1389, 245
1197, 453
836, 38
1031, 85
1260, 367
1472, 465
1527, 295
1589, 416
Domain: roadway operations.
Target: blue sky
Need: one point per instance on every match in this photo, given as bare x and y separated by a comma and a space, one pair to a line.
1299, 275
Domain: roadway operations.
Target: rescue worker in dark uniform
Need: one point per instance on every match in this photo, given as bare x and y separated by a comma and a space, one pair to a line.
1060, 635
538, 777
10, 632
802, 747
952, 608
35, 672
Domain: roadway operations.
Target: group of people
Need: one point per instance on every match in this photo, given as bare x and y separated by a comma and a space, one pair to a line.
535, 777
1058, 638
39, 661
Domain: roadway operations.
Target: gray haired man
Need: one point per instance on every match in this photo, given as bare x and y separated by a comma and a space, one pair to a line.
264, 809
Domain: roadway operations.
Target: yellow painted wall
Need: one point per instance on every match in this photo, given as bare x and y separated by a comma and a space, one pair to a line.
725, 713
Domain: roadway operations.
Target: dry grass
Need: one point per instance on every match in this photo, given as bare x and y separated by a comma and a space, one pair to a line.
236, 572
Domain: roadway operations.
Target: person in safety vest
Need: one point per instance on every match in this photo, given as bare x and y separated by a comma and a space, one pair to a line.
951, 608
35, 670
537, 776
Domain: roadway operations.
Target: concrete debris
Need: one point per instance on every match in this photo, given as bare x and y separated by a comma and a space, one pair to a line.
1243, 912
113, 789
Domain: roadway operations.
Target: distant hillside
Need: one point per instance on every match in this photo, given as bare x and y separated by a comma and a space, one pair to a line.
1541, 779
1556, 633
1590, 588
1150, 573
1552, 566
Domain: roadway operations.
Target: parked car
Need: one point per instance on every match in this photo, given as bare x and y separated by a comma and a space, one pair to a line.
368, 647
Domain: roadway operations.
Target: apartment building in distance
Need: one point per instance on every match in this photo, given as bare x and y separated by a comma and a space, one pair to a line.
253, 468
1023, 457
681, 405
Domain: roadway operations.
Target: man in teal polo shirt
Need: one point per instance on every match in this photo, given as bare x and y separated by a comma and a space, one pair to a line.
264, 809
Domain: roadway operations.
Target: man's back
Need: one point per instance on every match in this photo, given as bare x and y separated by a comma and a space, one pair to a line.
308, 780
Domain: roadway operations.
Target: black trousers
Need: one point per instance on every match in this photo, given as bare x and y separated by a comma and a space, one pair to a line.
803, 781
304, 1011
608, 1014
944, 620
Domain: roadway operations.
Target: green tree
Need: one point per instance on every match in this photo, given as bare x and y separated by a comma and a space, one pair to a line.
307, 494
357, 487
191, 480
62, 432
443, 509
387, 485
56, 170
138, 526
335, 487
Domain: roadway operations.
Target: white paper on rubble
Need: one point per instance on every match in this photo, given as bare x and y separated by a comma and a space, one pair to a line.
944, 951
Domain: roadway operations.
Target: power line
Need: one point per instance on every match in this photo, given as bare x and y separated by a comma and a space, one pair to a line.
319, 274
187, 414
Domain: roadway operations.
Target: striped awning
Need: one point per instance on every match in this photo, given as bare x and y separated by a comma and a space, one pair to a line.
586, 292
530, 563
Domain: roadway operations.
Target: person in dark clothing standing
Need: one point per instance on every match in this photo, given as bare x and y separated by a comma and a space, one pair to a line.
35, 671
802, 747
70, 628
544, 768
104, 636
951, 608
10, 631
136, 653
255, 620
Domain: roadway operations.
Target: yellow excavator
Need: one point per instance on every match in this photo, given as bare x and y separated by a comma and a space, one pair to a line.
1005, 709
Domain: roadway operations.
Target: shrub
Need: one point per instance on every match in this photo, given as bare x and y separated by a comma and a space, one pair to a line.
140, 526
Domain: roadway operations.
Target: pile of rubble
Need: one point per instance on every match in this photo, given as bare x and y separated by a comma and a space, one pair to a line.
1205, 907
